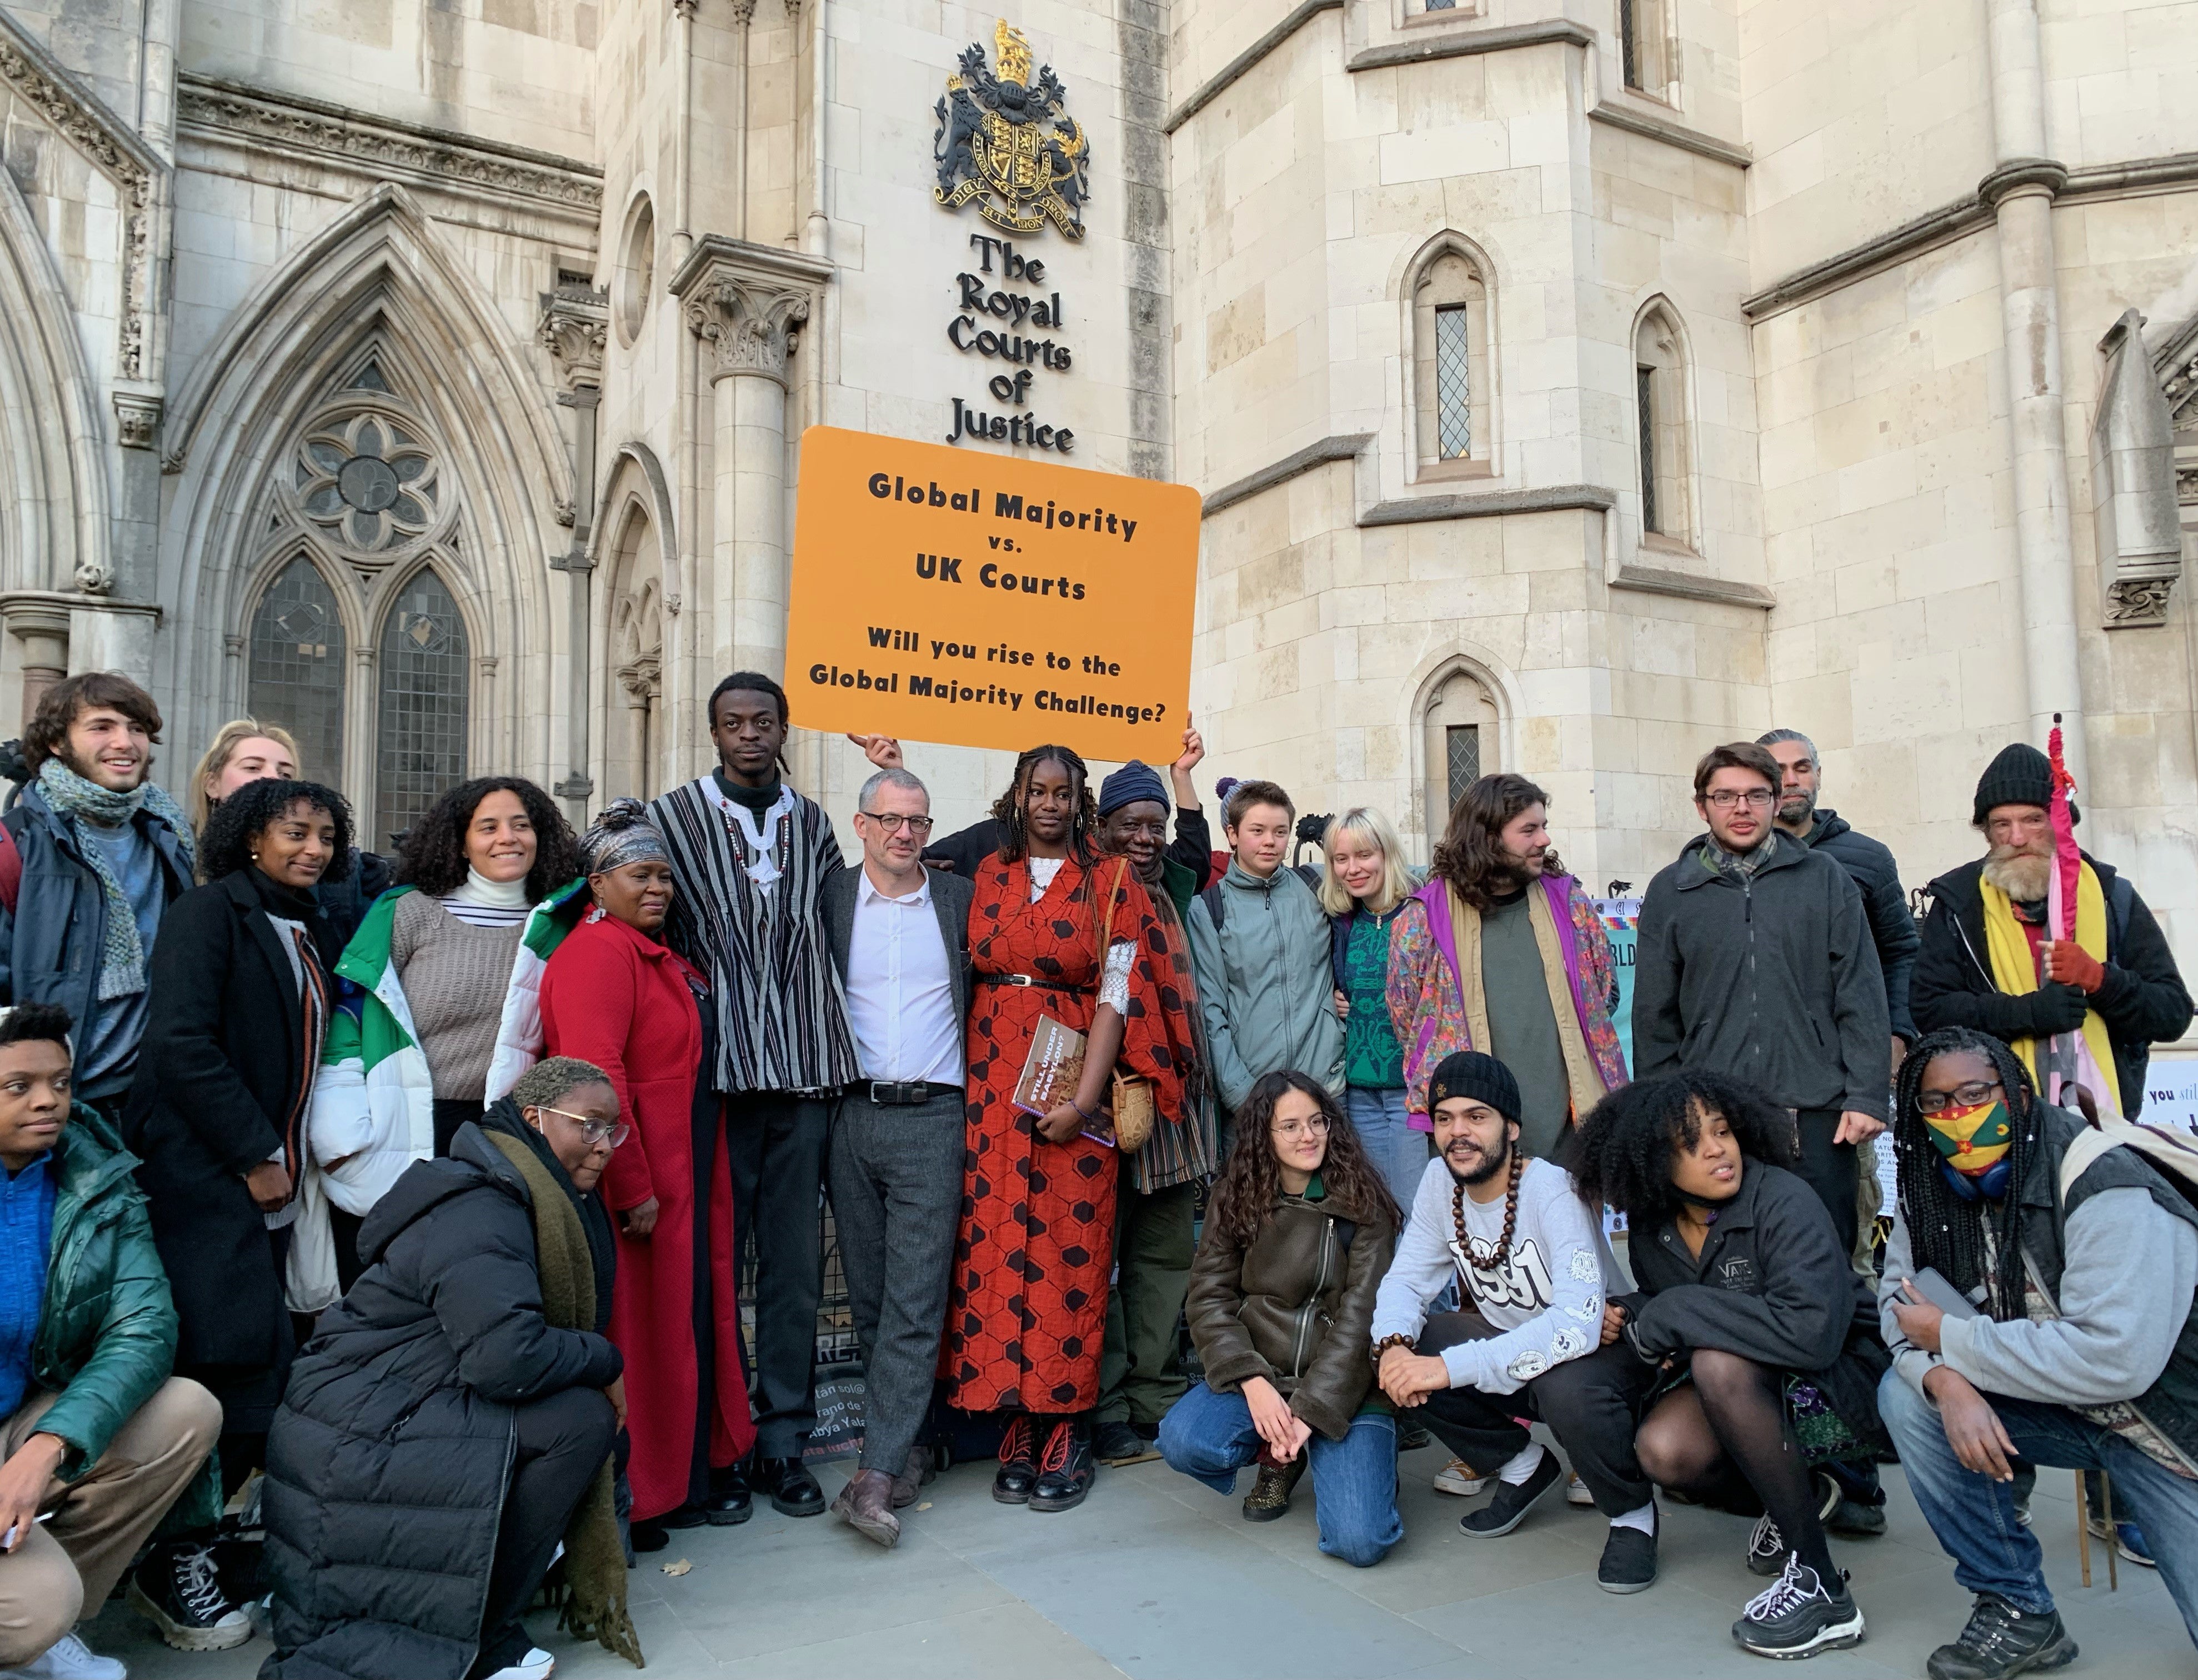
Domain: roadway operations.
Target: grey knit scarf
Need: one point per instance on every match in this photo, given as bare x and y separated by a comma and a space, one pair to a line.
1737, 865
77, 801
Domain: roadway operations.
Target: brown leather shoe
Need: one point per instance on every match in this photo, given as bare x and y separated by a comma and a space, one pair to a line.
913, 1475
865, 1504
1269, 1496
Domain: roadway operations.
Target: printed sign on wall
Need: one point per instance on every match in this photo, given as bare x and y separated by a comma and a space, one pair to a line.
977, 601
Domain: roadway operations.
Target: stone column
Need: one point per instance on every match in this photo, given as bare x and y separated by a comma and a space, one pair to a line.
747, 303
43, 627
2021, 190
575, 324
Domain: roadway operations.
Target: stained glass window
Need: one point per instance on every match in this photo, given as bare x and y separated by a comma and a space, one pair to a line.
1462, 741
421, 743
296, 678
1645, 386
1453, 383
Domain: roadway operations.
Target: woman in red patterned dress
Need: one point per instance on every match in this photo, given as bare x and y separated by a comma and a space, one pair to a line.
1027, 1317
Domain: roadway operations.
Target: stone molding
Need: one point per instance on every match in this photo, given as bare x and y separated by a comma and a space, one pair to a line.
2089, 184
1551, 498
1690, 586
28, 607
1471, 43
1671, 134
747, 303
1237, 67
1344, 446
115, 149
137, 419
293, 125
574, 327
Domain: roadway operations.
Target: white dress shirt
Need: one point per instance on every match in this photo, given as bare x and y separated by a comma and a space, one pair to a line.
900, 991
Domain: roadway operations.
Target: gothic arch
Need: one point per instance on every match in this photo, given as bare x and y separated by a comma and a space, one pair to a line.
1434, 693
1448, 271
377, 285
638, 564
1666, 503
53, 530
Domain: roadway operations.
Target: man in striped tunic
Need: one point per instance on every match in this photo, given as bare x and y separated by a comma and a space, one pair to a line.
749, 856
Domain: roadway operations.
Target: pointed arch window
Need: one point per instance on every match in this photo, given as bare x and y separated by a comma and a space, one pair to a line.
1452, 392
297, 664
1666, 444
1462, 745
421, 742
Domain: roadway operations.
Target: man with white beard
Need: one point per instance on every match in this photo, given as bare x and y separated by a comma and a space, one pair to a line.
1989, 962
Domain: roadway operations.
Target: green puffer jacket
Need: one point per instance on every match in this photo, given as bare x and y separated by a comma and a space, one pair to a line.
106, 1334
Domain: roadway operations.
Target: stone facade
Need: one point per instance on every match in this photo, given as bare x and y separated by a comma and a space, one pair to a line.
1571, 386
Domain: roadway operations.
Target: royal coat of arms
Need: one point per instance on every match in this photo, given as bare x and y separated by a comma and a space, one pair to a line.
1005, 143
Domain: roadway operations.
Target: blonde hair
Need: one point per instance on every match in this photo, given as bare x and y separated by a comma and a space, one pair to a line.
1368, 823
223, 749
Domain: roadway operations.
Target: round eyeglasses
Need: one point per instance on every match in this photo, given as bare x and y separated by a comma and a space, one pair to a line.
594, 1131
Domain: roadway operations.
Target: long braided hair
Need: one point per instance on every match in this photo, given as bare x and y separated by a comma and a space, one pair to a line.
1946, 1230
1014, 826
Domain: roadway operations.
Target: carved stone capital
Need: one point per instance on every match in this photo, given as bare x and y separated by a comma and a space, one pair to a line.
138, 419
747, 302
574, 327
2138, 603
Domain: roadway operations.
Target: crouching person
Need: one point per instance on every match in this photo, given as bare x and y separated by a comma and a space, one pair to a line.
1526, 1254
451, 1421
1301, 1229
2079, 1263
98, 1439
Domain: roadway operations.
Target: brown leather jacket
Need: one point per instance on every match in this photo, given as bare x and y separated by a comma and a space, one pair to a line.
1296, 1307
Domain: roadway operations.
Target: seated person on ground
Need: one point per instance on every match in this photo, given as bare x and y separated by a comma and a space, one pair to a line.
452, 1419
2080, 1262
1758, 1332
98, 1439
1529, 1260
1301, 1229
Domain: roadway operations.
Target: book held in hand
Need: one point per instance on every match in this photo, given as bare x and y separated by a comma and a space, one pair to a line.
1052, 1072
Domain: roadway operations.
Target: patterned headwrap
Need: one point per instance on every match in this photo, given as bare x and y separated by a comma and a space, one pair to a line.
622, 834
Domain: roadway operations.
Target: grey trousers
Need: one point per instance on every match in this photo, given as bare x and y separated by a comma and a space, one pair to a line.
897, 1199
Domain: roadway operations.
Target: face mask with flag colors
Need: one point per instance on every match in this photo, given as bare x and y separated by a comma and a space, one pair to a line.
1974, 1140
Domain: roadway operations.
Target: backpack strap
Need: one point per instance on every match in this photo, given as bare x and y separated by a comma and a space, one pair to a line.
1217, 906
2168, 1152
2118, 901
2088, 1145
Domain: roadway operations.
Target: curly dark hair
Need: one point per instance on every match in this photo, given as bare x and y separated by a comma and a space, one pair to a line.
432, 856
46, 735
243, 816
1469, 857
1084, 818
1946, 1230
1623, 1151
1251, 1178
40, 1023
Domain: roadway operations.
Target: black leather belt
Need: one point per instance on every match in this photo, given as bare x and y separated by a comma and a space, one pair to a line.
1030, 979
907, 1093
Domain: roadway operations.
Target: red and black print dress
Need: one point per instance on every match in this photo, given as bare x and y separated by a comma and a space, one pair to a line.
1027, 1315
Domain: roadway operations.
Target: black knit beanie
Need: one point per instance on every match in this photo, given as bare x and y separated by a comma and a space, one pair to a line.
2020, 775
1482, 1078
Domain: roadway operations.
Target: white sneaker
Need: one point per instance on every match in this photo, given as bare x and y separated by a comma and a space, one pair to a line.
1576, 1492
1461, 1479
67, 1658
537, 1665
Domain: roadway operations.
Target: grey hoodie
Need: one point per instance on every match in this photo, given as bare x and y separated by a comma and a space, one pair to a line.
1265, 983
1773, 981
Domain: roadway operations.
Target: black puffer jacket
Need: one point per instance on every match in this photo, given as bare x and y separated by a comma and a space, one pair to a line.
2143, 1000
1296, 1307
1876, 877
388, 1465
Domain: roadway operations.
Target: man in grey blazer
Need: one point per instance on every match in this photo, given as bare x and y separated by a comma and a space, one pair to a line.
899, 935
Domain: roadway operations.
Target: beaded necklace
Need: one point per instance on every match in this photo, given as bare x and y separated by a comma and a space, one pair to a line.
1510, 1217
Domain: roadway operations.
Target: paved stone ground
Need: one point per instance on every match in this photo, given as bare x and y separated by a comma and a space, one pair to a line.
1157, 1577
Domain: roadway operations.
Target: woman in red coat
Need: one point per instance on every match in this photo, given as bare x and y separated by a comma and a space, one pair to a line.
615, 995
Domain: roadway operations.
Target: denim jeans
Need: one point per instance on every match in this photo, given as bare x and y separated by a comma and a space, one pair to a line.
1399, 1153
1974, 1516
1210, 1436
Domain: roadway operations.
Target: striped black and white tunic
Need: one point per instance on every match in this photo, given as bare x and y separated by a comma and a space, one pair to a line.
782, 1016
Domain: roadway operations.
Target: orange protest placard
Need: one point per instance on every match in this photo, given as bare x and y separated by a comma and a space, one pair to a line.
982, 600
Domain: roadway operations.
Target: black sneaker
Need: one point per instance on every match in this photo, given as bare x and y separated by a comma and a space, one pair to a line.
1116, 1443
1509, 1509
1629, 1562
1413, 1437
1065, 1471
1767, 1546
178, 1588
1800, 1614
2001, 1641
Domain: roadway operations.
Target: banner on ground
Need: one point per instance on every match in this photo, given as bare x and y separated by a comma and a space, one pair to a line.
981, 600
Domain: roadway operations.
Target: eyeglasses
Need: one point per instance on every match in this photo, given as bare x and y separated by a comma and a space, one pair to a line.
594, 1131
1725, 799
1965, 1097
890, 822
1314, 1127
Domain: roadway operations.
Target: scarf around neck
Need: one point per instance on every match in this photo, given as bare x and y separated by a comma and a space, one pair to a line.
77, 800
1737, 865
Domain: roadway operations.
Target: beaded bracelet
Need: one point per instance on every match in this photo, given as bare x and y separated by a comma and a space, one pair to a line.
1383, 1346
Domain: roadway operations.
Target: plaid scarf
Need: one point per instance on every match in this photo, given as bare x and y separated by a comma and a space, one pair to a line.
1736, 865
77, 801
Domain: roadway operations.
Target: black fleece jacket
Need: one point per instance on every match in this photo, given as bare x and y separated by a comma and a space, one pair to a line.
2143, 1000
1876, 877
